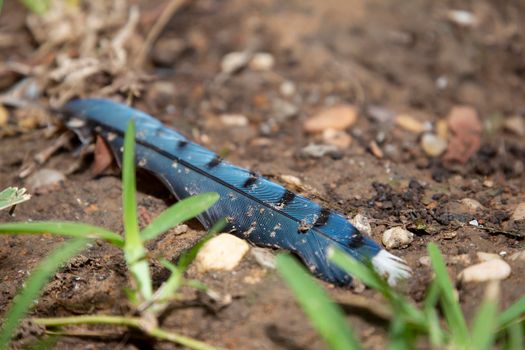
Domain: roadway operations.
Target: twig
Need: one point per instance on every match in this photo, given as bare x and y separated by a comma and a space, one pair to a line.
154, 33
131, 322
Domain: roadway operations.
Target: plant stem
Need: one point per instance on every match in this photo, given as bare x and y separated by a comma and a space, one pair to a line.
132, 322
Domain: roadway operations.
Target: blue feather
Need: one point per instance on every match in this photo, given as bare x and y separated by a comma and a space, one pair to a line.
256, 209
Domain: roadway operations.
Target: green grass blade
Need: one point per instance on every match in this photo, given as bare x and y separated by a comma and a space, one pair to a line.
451, 308
134, 250
34, 285
516, 338
37, 6
181, 211
484, 325
63, 228
326, 317
13, 195
513, 312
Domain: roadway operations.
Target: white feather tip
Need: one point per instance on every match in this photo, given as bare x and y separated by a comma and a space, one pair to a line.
391, 266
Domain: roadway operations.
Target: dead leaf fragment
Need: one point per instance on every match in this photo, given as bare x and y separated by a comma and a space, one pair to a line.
103, 157
465, 134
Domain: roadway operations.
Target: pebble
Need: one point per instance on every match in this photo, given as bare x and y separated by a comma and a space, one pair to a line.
262, 61
488, 183
234, 120
44, 181
519, 212
161, 94
380, 114
425, 261
337, 138
515, 125
338, 117
180, 229
482, 256
410, 123
167, 51
283, 110
287, 88
465, 139
234, 61
433, 145
376, 150
495, 269
223, 252
518, 256
442, 128
362, 224
397, 237
4, 116
264, 257
471, 205
319, 150
462, 18
291, 180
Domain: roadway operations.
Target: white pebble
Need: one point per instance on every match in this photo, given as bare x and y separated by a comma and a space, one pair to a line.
433, 145
397, 237
287, 88
234, 61
223, 252
362, 224
471, 205
262, 61
495, 269
234, 119
264, 257
519, 212
482, 256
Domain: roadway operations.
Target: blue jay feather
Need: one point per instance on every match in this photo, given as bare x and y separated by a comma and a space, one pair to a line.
256, 209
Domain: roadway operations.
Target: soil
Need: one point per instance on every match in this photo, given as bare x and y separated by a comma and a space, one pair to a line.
381, 56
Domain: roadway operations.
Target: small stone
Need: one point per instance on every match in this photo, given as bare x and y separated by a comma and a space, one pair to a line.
474, 223
319, 151
287, 88
283, 110
362, 224
470, 205
397, 237
234, 120
462, 18
45, 181
515, 125
234, 61
410, 123
4, 116
180, 229
519, 212
161, 94
518, 256
433, 145
291, 180
223, 252
264, 257
488, 183
262, 61
465, 139
482, 256
376, 150
338, 118
380, 114
337, 138
167, 50
425, 261
495, 269
442, 128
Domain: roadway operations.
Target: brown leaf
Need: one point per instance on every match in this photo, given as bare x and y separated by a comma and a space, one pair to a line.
465, 139
103, 157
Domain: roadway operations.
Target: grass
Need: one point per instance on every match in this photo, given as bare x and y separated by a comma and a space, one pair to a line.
411, 325
148, 303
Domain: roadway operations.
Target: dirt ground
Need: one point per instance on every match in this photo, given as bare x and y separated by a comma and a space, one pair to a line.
385, 58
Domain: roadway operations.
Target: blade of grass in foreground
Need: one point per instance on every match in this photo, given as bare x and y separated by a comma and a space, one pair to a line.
451, 309
134, 250
181, 211
326, 317
63, 228
34, 285
484, 325
513, 312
